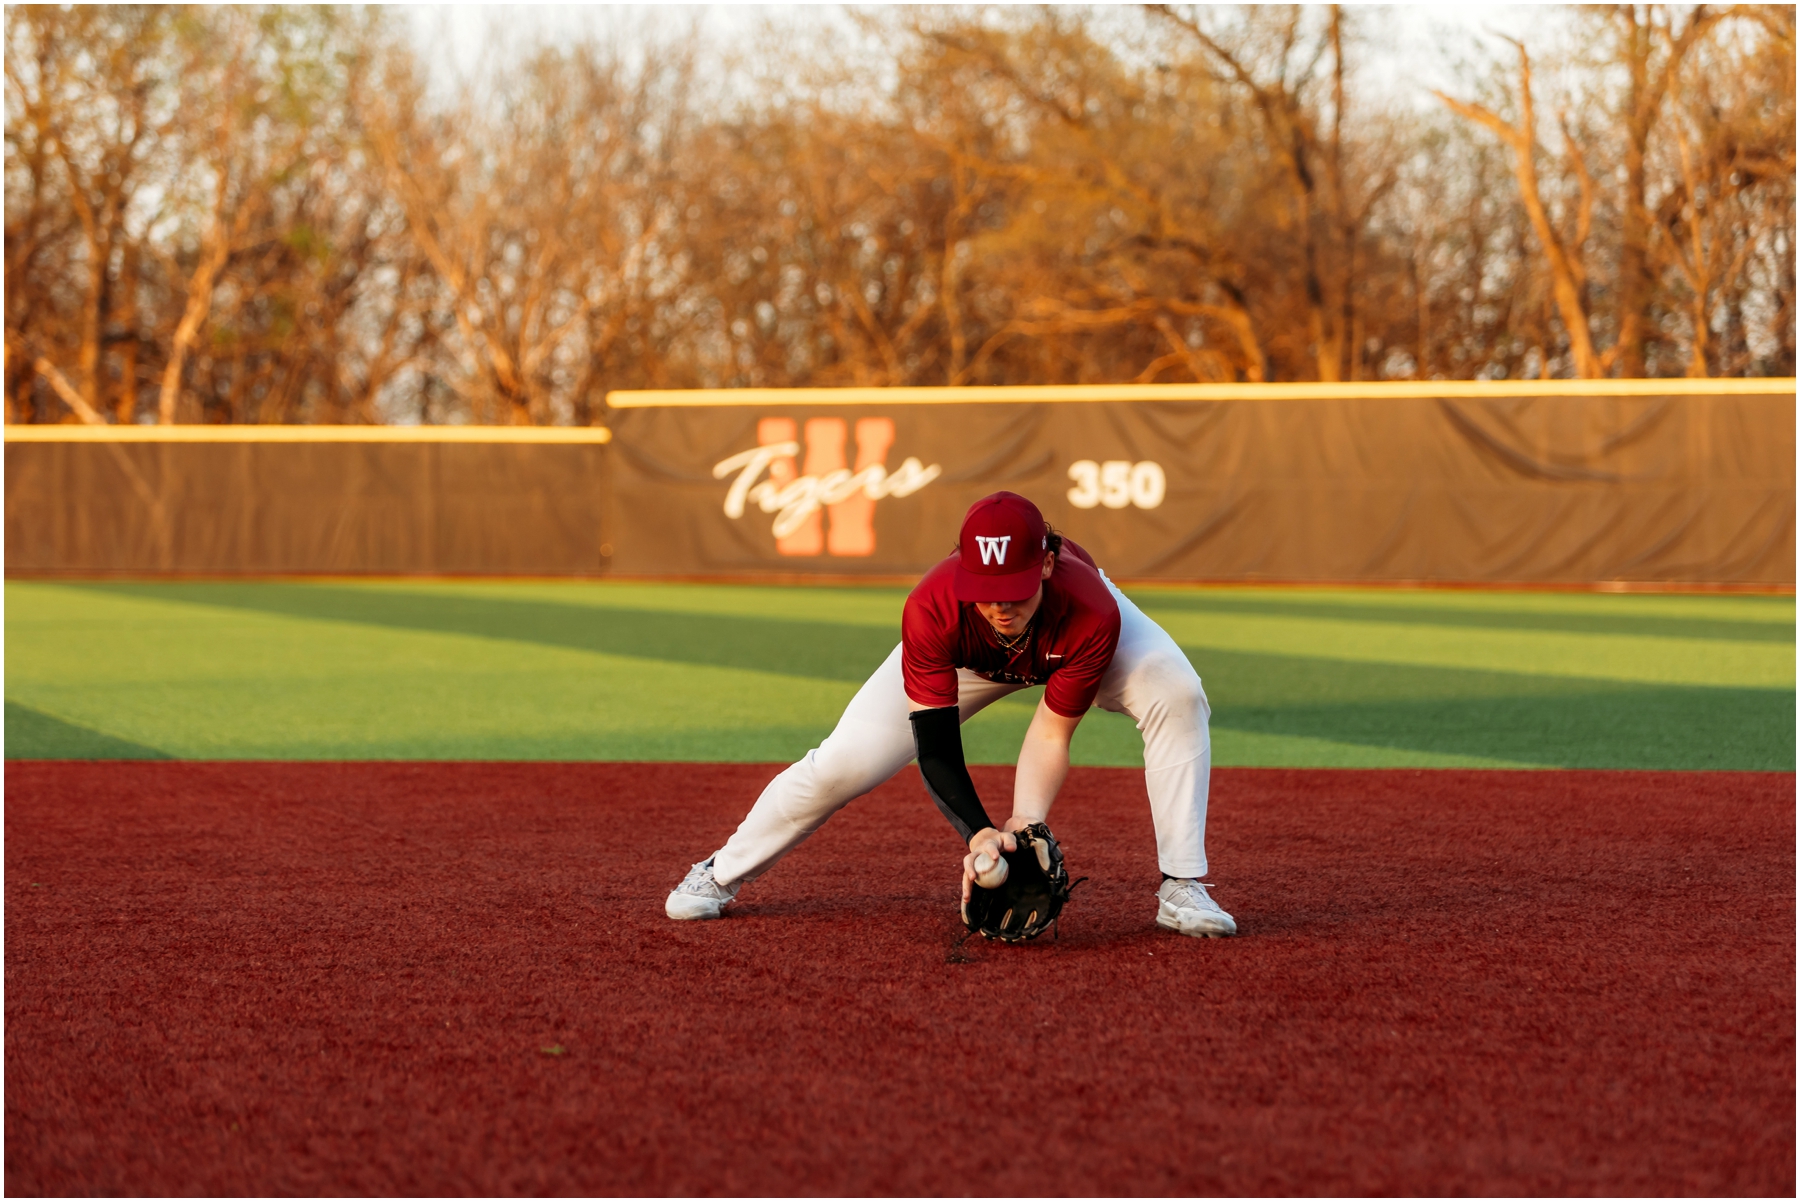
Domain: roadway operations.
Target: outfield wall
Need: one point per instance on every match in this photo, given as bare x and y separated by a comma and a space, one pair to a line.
1551, 482
303, 499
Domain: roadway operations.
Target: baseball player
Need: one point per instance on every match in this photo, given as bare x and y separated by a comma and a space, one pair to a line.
1016, 605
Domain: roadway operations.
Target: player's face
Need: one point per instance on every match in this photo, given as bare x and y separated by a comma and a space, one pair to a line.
1011, 617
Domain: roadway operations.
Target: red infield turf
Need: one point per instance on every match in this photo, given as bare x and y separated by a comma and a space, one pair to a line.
343, 978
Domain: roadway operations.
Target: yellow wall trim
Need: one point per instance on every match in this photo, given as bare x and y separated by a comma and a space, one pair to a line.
1041, 394
483, 434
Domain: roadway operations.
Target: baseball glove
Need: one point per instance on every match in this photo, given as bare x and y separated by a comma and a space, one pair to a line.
1032, 896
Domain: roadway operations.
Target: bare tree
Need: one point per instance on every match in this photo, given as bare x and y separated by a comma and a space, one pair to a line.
1276, 61
273, 213
89, 115
1563, 248
547, 223
1652, 42
1730, 193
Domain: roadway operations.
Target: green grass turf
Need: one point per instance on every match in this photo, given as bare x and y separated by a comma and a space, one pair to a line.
631, 671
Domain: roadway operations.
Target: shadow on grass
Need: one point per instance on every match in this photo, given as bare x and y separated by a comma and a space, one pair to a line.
34, 735
792, 647
1760, 630
1550, 721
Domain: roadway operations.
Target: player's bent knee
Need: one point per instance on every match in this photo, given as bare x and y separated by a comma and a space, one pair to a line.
1174, 692
833, 779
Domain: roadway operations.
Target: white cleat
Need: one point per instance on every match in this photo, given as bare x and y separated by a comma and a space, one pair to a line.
1185, 906
699, 895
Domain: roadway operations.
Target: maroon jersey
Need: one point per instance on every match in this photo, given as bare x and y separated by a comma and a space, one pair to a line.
1072, 638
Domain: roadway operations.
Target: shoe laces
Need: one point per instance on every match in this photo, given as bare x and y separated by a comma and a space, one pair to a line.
1192, 895
700, 880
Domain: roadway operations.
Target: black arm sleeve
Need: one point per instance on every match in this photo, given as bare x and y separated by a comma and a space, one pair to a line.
938, 736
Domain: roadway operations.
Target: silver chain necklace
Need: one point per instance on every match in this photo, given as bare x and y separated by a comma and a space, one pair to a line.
1019, 641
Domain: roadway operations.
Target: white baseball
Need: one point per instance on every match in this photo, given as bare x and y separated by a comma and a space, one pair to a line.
990, 873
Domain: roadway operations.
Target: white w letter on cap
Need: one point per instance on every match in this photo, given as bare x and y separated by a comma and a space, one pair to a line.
993, 550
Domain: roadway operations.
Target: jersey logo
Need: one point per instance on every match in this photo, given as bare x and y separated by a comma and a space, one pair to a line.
993, 550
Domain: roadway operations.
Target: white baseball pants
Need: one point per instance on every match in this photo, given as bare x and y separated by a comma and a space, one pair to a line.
1149, 679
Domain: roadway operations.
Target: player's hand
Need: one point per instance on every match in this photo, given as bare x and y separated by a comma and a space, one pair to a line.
987, 840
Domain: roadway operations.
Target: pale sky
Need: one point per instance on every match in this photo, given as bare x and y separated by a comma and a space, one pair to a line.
462, 39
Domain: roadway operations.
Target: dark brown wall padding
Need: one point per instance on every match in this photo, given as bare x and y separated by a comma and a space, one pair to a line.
301, 507
1529, 489
1676, 482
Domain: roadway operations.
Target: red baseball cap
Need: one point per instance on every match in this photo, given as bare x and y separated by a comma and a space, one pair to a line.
1002, 549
